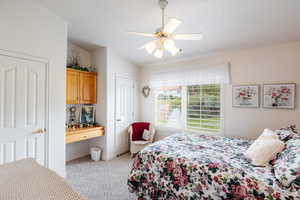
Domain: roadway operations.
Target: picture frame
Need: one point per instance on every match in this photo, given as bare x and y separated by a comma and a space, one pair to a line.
87, 114
246, 96
279, 95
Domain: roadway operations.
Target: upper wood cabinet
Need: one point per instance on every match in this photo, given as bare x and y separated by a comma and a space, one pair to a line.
88, 87
81, 87
72, 87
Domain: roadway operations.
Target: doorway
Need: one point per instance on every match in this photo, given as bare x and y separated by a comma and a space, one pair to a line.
23, 108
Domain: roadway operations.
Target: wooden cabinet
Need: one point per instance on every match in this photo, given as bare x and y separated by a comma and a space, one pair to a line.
72, 87
81, 134
81, 87
88, 87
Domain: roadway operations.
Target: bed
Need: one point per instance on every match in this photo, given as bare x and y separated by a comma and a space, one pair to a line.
189, 166
27, 180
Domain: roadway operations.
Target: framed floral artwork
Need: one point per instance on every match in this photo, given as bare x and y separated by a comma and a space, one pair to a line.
280, 96
245, 96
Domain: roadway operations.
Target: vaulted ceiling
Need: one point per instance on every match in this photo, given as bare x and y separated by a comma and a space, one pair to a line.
225, 24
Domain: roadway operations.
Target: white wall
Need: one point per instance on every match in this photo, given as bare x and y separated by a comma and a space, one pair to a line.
273, 64
99, 59
118, 66
108, 65
28, 28
77, 150
85, 57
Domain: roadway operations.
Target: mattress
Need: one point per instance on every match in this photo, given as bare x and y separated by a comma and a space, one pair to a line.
27, 180
194, 166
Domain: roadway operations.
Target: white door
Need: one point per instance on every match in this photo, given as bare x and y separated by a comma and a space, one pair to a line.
22, 109
124, 113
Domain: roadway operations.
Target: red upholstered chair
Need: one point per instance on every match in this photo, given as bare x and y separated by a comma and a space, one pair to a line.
137, 142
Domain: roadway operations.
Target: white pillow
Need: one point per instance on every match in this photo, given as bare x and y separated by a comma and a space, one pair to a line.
264, 148
268, 133
146, 135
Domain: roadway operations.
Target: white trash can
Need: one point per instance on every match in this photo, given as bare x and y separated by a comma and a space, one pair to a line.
96, 153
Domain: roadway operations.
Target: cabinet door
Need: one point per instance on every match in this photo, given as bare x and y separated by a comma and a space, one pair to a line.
88, 88
72, 87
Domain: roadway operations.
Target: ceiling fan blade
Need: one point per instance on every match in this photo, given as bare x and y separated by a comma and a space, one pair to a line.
142, 34
171, 25
188, 36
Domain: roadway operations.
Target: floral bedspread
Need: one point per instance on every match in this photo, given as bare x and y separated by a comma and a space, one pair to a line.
188, 166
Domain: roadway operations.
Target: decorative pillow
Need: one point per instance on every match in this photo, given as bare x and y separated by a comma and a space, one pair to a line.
287, 166
287, 133
268, 133
146, 135
137, 130
264, 148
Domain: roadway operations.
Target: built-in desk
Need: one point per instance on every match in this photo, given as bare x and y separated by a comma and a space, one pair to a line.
80, 134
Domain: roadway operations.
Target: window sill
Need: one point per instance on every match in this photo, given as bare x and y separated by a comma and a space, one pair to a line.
178, 130
168, 128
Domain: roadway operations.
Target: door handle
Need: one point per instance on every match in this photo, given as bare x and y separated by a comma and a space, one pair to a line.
118, 120
39, 131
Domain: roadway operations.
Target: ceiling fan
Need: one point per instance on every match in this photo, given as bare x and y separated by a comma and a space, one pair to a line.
164, 37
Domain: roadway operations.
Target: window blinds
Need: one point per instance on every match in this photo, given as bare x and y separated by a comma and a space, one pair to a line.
203, 108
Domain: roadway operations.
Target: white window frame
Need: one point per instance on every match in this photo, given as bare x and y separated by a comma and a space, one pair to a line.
184, 110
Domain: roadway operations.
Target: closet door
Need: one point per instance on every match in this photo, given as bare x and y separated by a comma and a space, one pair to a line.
22, 110
124, 113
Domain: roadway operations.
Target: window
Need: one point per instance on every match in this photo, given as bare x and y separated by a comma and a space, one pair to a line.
193, 108
168, 106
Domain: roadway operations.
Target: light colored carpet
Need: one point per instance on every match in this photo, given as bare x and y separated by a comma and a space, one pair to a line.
101, 180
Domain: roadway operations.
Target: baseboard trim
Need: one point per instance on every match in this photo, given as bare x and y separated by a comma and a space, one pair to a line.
122, 154
82, 156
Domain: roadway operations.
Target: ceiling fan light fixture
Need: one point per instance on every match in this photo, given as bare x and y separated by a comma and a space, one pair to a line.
169, 44
164, 39
175, 51
159, 53
150, 47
